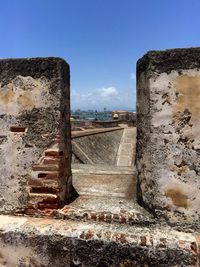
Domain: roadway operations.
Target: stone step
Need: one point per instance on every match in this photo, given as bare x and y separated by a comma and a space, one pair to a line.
104, 181
106, 210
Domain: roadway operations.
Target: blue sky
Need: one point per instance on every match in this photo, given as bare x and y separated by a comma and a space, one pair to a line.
100, 39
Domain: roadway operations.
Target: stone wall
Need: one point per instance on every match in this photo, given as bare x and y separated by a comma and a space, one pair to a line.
168, 134
98, 148
37, 242
34, 134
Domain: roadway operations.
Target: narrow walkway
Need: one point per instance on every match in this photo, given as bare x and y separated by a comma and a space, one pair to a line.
126, 151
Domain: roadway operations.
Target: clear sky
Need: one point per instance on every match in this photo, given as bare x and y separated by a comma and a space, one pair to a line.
100, 39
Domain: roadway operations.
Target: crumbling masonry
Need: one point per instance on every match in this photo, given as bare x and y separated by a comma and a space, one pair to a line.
168, 130
42, 225
35, 147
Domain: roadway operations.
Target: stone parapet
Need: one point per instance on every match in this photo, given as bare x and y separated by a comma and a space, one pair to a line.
34, 118
168, 139
48, 242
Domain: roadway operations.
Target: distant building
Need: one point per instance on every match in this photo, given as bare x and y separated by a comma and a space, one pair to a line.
115, 116
123, 115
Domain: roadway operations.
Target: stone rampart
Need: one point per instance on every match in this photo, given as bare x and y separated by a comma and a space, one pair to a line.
35, 149
168, 134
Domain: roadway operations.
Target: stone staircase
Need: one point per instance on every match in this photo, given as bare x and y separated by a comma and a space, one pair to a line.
48, 181
104, 180
107, 194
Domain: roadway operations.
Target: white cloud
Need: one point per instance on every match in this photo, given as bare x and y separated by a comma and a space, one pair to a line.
108, 92
133, 76
109, 97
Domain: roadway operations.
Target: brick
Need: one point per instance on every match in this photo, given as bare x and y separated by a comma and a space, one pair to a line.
38, 167
44, 182
54, 161
198, 248
55, 154
17, 129
163, 243
45, 190
49, 198
143, 241
46, 205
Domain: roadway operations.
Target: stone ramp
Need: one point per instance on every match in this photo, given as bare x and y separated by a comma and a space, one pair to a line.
105, 181
97, 146
126, 151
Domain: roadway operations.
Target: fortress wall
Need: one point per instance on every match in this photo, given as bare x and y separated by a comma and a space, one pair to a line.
35, 152
99, 148
168, 134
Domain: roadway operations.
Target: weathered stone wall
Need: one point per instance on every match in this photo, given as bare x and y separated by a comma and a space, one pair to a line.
37, 242
168, 134
34, 134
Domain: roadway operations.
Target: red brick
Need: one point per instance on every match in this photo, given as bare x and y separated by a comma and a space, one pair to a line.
54, 161
89, 234
93, 216
38, 167
163, 243
108, 217
194, 248
143, 241
44, 182
46, 205
82, 235
122, 219
101, 217
53, 153
17, 129
198, 247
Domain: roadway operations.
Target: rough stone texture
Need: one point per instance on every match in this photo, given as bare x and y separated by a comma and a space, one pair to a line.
168, 134
112, 210
34, 132
49, 243
97, 148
